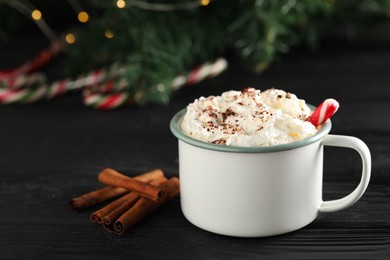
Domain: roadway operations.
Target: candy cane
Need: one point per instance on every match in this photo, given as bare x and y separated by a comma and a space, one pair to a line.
21, 96
323, 112
36, 63
209, 69
107, 101
102, 100
23, 89
23, 81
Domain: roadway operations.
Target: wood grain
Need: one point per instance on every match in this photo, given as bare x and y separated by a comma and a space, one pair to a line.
52, 151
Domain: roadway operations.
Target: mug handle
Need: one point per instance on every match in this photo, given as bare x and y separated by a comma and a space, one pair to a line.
359, 146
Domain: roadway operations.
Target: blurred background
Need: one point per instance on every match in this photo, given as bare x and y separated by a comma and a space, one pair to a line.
63, 61
122, 52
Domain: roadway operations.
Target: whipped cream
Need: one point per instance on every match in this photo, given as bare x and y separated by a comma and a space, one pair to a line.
248, 118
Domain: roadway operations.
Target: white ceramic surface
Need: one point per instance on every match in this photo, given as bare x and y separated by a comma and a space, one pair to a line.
259, 191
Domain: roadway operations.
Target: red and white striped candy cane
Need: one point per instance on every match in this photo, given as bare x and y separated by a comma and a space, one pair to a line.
206, 70
105, 100
36, 63
34, 93
23, 81
21, 96
323, 112
103, 92
24, 89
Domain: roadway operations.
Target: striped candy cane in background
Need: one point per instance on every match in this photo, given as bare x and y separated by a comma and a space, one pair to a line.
102, 88
104, 99
28, 88
39, 61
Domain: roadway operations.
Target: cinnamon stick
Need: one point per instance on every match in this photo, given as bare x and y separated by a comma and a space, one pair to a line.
110, 216
127, 203
98, 215
95, 197
144, 206
113, 178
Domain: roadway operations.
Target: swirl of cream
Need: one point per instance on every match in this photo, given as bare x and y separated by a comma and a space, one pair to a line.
248, 118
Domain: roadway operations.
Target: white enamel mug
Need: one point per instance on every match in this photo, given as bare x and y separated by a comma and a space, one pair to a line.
259, 191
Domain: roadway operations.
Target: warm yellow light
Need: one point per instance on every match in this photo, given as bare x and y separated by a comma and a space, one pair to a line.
70, 38
120, 3
83, 17
109, 34
36, 14
204, 2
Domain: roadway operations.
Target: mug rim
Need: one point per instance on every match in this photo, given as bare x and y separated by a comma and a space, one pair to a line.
176, 131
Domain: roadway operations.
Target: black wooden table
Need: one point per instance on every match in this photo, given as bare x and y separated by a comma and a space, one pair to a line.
53, 151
